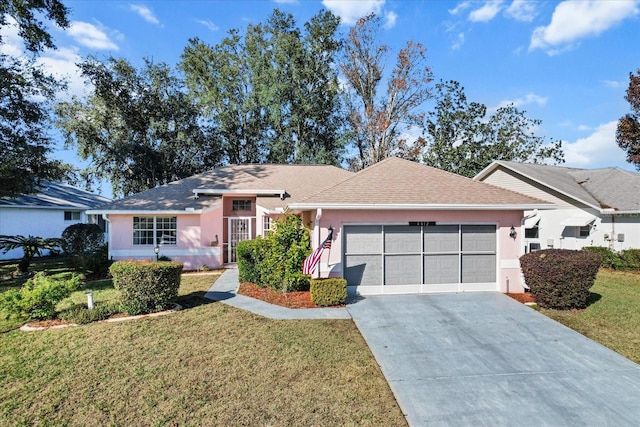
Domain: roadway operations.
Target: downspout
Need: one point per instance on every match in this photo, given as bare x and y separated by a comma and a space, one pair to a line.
105, 217
316, 227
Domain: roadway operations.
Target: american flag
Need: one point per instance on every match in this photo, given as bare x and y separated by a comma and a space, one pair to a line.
312, 260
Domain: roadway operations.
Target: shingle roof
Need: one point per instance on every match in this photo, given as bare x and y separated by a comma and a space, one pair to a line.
56, 195
604, 188
395, 181
297, 180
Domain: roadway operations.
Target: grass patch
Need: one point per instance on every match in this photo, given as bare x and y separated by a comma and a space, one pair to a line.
612, 317
208, 365
55, 266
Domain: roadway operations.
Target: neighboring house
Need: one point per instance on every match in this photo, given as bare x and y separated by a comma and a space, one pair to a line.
400, 227
47, 212
595, 207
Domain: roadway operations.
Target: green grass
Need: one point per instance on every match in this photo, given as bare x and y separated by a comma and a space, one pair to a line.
209, 364
613, 317
55, 266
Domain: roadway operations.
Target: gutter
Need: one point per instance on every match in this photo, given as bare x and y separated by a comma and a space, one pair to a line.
409, 206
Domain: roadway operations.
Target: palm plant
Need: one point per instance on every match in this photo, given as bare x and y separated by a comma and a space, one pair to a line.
31, 246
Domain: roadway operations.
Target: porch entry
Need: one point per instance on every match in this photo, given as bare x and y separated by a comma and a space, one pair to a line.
239, 230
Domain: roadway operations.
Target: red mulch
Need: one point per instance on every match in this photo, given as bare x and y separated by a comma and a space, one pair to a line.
290, 299
523, 298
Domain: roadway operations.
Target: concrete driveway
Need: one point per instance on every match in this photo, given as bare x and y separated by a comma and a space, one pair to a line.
483, 359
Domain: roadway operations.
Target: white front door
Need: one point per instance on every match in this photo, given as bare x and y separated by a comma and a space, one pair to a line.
239, 230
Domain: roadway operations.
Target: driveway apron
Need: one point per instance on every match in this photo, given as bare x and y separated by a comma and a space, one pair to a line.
483, 359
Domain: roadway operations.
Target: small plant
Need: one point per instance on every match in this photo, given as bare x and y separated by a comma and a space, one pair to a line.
560, 278
328, 292
81, 314
31, 246
38, 298
146, 286
164, 258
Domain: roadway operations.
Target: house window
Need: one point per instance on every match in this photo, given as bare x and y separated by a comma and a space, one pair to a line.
241, 205
152, 230
584, 231
266, 225
531, 233
71, 216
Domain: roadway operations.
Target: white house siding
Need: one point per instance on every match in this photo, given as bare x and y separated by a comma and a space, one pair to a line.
39, 222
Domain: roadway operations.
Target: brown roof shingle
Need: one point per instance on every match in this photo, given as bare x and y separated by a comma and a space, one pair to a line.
395, 181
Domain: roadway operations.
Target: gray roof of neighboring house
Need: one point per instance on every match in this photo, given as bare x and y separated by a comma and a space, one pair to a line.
299, 181
395, 181
56, 195
605, 188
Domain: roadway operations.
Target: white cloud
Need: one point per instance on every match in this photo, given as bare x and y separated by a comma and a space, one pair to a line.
460, 7
458, 42
596, 150
12, 44
62, 64
521, 10
390, 19
210, 25
146, 13
486, 12
530, 98
90, 36
574, 20
352, 10
614, 84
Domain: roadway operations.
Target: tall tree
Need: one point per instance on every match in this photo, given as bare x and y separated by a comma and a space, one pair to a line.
628, 132
272, 92
26, 93
379, 118
460, 138
138, 127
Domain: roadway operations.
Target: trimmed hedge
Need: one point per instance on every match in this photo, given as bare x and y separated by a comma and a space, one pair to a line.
251, 254
327, 292
146, 286
629, 259
560, 278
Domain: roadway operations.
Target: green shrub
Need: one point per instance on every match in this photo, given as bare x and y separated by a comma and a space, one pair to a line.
631, 258
327, 292
81, 314
610, 259
38, 297
251, 254
146, 286
164, 258
560, 278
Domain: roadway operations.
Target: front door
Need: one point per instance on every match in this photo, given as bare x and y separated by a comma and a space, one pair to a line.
239, 230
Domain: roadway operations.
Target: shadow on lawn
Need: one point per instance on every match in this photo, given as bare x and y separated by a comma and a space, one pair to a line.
593, 298
194, 299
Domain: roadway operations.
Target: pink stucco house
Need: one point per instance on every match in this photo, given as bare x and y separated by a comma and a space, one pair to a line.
400, 227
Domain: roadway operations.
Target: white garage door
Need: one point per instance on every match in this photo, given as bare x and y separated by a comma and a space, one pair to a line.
407, 258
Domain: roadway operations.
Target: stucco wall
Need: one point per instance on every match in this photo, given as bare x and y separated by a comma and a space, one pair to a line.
508, 249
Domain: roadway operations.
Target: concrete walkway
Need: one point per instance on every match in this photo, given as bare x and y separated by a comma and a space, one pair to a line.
224, 290
483, 359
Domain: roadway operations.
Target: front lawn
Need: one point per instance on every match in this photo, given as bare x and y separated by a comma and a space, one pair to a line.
208, 364
613, 316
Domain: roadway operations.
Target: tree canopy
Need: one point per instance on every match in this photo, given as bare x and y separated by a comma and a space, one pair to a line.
271, 93
26, 92
138, 127
461, 137
628, 132
378, 118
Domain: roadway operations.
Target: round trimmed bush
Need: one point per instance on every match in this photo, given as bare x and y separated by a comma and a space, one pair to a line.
560, 278
146, 286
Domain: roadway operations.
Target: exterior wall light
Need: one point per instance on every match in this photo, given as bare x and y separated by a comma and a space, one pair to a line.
156, 250
512, 233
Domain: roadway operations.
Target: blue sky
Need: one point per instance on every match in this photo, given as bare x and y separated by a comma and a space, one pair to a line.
564, 62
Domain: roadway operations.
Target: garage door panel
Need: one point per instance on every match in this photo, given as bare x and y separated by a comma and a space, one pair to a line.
402, 239
402, 269
441, 238
441, 269
478, 268
363, 270
478, 238
363, 239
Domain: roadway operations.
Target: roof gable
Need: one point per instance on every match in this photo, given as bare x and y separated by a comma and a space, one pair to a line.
395, 181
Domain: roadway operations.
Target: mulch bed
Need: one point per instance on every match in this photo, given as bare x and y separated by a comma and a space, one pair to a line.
289, 300
523, 298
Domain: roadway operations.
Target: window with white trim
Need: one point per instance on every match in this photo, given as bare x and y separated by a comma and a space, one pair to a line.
266, 225
241, 205
71, 216
584, 231
152, 230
